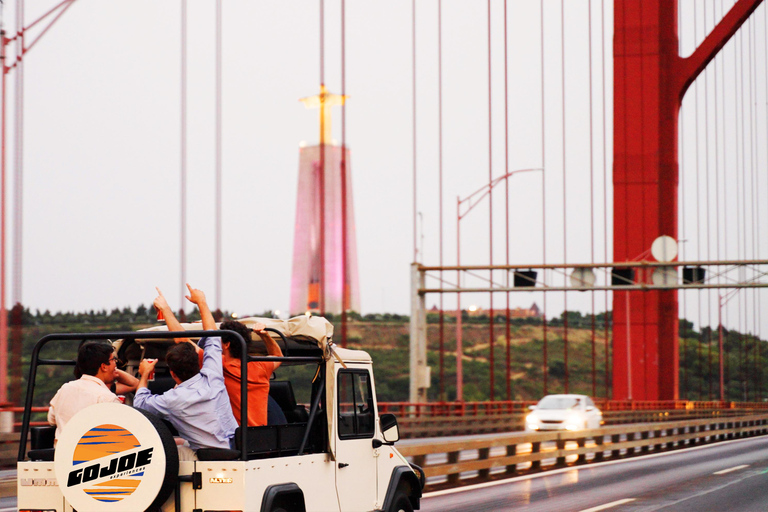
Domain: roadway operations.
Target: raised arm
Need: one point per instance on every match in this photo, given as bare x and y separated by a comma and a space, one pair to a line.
144, 399
198, 297
170, 319
145, 368
126, 383
273, 349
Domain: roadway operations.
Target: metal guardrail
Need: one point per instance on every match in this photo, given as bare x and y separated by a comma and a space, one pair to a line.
459, 461
415, 409
435, 426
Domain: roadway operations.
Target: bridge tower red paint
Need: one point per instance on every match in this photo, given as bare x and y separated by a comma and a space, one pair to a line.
650, 79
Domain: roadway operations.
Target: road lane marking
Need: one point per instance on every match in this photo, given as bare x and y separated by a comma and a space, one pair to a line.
609, 505
724, 471
591, 465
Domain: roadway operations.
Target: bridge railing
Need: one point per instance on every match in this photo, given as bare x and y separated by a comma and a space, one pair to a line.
419, 420
417, 409
455, 462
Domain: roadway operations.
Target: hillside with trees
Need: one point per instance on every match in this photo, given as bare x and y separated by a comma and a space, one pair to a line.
386, 338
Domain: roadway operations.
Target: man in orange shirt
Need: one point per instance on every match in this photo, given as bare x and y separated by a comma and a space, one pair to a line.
259, 372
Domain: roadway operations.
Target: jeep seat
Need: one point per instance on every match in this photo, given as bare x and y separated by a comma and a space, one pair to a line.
282, 392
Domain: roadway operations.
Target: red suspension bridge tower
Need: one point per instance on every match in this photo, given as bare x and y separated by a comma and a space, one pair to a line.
650, 80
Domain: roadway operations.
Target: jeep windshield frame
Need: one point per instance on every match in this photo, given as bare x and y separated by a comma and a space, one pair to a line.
231, 336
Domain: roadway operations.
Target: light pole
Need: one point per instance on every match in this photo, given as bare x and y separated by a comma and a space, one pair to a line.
472, 200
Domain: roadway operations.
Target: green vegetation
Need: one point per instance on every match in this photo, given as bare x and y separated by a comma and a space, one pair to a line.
386, 338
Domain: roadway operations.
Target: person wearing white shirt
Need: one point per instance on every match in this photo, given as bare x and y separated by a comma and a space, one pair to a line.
98, 365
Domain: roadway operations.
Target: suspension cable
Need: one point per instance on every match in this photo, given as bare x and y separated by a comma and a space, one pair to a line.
490, 210
440, 171
592, 193
506, 195
681, 143
698, 207
183, 149
708, 209
605, 193
545, 369
217, 200
344, 173
565, 210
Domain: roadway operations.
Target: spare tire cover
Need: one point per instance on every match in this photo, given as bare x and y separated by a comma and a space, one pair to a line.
111, 457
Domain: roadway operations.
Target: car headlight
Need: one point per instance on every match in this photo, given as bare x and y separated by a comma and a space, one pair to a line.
532, 422
573, 422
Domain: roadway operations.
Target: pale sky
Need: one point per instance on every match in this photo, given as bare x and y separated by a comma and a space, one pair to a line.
102, 144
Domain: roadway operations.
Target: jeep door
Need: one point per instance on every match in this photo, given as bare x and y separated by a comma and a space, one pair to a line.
355, 428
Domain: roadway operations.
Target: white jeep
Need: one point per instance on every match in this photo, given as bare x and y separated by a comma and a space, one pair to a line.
335, 453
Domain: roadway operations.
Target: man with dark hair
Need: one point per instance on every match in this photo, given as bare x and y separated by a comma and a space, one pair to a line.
124, 382
97, 363
259, 372
183, 359
198, 407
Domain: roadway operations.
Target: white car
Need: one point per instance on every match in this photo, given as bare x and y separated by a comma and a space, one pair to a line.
563, 412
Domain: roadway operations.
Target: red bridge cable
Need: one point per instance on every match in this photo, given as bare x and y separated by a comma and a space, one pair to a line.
592, 194
718, 59
724, 362
218, 151
565, 209
698, 210
753, 188
506, 189
605, 193
18, 157
3, 212
440, 186
413, 120
183, 150
321, 295
681, 143
708, 210
760, 296
343, 170
47, 27
717, 63
745, 107
545, 367
738, 189
490, 213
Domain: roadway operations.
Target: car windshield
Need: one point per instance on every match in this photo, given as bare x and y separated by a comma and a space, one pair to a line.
558, 402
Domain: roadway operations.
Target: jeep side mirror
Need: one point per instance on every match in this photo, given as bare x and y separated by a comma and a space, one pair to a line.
532, 407
389, 429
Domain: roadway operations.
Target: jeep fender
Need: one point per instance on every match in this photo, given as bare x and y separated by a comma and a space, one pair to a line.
403, 475
288, 497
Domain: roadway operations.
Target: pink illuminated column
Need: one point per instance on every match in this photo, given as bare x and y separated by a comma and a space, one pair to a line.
313, 227
324, 248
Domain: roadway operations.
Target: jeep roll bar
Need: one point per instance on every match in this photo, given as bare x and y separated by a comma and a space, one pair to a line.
138, 335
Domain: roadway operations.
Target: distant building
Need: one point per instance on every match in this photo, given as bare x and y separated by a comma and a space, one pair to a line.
476, 311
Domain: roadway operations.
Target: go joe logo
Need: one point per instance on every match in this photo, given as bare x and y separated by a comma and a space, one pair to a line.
111, 462
111, 458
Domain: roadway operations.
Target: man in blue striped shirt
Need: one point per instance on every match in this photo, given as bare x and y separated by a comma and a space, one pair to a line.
199, 404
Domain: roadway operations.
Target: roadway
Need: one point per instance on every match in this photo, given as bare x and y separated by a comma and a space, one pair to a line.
731, 475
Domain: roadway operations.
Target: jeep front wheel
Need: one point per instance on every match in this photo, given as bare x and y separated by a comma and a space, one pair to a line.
401, 502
